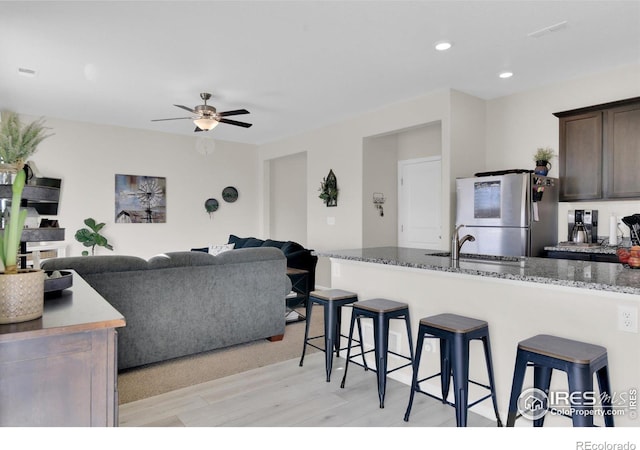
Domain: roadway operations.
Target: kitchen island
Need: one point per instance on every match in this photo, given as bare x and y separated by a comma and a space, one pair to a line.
518, 297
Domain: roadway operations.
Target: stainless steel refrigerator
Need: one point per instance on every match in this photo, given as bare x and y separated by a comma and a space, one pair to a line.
510, 213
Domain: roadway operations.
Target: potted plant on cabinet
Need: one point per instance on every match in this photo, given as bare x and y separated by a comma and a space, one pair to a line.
21, 290
542, 157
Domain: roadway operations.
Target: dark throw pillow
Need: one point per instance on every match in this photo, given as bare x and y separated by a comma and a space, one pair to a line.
238, 241
253, 242
291, 247
272, 243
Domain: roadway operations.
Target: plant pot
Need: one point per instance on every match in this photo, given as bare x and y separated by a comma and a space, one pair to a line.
542, 167
21, 296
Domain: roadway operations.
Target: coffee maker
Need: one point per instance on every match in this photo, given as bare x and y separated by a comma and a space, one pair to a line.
582, 226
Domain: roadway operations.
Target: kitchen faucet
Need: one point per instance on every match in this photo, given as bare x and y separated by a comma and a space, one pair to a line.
456, 243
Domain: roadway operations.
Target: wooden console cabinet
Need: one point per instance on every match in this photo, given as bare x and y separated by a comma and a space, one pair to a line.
599, 153
61, 369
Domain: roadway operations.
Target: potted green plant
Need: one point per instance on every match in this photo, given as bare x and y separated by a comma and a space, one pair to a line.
21, 291
90, 237
542, 157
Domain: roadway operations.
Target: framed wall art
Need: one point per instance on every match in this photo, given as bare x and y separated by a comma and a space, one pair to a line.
140, 199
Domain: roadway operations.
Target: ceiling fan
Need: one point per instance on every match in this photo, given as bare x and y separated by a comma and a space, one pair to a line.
207, 118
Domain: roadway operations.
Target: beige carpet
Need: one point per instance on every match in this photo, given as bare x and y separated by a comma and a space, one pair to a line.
155, 379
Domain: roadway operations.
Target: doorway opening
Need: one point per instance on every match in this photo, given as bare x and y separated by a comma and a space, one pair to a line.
288, 198
383, 155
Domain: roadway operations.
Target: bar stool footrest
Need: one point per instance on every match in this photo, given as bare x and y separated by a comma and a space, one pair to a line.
447, 401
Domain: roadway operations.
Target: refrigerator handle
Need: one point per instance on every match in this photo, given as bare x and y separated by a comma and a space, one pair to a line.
526, 182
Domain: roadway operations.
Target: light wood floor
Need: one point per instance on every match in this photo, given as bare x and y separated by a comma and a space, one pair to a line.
286, 395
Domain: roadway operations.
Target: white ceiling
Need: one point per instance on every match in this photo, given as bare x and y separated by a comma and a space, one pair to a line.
295, 66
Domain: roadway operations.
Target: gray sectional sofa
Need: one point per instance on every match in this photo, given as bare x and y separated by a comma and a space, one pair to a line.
181, 303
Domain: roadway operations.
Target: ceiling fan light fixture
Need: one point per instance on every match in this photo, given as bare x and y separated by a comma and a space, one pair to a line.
205, 123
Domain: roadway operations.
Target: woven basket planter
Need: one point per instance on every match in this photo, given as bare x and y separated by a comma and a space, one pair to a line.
21, 296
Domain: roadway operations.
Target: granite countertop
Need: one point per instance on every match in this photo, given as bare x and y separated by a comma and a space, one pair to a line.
599, 276
605, 248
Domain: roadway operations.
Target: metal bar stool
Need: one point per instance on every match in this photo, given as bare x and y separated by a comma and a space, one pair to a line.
332, 301
381, 311
579, 360
455, 333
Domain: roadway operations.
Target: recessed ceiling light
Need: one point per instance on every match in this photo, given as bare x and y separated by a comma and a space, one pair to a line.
505, 74
442, 46
26, 72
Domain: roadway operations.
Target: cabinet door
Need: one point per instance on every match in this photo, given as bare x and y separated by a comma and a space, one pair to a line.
580, 157
623, 152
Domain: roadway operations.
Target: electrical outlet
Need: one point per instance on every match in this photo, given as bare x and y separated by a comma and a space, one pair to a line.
628, 319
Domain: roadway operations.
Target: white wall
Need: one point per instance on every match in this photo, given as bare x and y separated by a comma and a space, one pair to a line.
380, 174
339, 147
420, 142
520, 123
288, 198
87, 157
380, 162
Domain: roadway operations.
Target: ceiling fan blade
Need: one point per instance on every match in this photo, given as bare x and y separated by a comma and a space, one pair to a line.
186, 108
235, 112
235, 122
175, 118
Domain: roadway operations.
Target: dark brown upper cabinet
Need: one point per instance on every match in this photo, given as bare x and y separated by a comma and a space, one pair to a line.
599, 152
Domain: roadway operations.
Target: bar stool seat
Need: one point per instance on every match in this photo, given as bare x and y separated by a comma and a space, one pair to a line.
332, 300
579, 360
381, 310
455, 333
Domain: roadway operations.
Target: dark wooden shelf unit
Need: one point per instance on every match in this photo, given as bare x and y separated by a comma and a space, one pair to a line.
45, 199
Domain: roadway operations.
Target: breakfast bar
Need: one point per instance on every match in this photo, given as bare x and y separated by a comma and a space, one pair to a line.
519, 297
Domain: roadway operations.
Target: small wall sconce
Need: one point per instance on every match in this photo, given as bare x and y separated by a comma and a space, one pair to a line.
378, 201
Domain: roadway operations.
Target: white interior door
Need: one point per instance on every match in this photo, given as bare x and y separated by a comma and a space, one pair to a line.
419, 203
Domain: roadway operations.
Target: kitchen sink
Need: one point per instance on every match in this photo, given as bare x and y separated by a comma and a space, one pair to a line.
484, 258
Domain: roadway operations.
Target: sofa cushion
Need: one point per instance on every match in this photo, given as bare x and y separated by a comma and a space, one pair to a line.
253, 242
290, 247
272, 243
246, 254
181, 259
238, 241
85, 265
217, 249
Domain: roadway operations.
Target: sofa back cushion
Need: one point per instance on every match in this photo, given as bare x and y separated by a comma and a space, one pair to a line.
86, 265
246, 254
238, 241
287, 247
290, 247
272, 243
181, 259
